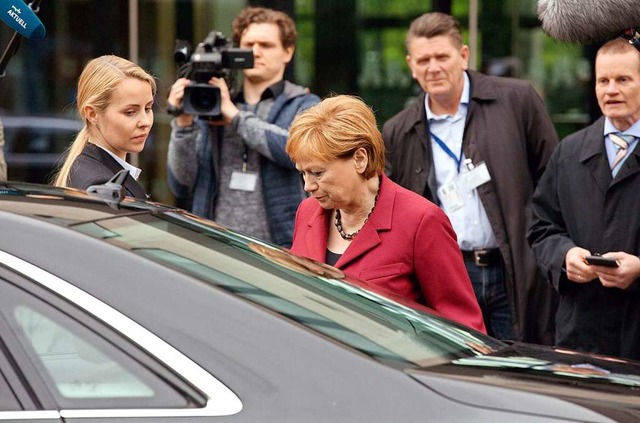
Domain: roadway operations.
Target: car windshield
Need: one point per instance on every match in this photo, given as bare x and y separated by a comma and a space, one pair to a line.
312, 294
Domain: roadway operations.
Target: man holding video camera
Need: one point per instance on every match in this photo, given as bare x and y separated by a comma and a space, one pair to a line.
235, 170
586, 203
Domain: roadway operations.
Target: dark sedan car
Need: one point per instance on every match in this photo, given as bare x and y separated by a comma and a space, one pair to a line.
132, 311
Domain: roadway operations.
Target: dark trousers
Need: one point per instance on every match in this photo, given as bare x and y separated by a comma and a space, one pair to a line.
488, 285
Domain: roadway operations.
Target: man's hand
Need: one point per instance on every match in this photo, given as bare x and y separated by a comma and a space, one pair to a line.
228, 110
176, 94
577, 268
622, 276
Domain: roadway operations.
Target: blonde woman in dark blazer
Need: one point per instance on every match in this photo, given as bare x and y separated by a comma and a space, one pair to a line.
115, 102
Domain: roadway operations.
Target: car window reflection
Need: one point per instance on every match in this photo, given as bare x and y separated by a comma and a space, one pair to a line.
78, 369
315, 297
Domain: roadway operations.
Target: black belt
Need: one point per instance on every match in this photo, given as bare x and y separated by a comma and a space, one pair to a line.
482, 257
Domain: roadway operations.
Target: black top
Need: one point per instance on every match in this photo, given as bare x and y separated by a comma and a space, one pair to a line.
332, 258
272, 92
95, 166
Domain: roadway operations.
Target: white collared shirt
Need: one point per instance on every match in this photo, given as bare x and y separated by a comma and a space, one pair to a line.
133, 171
470, 222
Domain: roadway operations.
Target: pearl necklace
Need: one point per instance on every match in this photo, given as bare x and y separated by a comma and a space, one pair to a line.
338, 221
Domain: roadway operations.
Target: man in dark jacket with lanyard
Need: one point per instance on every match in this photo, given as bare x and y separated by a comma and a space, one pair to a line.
476, 145
244, 179
587, 202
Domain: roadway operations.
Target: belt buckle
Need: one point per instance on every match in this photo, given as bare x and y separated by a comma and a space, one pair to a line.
478, 256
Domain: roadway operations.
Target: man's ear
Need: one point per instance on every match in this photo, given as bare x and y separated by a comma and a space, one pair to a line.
410, 64
465, 54
289, 51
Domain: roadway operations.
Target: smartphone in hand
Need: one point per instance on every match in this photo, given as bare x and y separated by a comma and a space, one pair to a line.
598, 260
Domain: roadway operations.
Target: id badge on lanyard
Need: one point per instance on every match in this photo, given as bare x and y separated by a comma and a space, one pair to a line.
244, 180
452, 194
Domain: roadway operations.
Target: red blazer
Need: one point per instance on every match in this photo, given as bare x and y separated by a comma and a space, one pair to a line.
407, 246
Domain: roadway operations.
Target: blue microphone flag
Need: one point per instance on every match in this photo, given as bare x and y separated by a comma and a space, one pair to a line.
21, 19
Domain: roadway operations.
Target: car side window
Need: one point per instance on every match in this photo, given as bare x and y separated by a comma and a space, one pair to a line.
77, 368
80, 368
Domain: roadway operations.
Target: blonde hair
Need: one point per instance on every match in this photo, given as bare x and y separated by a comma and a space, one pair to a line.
96, 86
618, 45
334, 129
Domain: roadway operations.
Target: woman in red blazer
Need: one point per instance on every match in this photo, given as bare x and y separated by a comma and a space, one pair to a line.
365, 224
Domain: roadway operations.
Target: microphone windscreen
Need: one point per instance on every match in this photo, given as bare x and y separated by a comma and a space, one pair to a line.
21, 19
587, 21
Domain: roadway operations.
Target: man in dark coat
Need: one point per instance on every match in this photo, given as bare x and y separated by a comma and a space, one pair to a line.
587, 202
477, 145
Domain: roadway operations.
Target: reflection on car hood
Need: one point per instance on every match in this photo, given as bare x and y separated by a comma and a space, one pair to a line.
608, 385
560, 363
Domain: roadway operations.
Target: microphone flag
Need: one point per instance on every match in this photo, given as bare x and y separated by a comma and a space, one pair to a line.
19, 17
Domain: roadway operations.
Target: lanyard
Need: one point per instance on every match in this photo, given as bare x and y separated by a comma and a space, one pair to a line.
447, 150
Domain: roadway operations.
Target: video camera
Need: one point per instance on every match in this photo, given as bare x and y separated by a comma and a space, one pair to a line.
212, 57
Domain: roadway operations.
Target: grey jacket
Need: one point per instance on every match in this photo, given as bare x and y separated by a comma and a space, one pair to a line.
193, 161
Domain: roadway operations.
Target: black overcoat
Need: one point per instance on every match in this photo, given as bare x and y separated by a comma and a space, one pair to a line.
508, 128
578, 203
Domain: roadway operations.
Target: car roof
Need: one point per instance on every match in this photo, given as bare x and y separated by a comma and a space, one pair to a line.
88, 214
92, 207
41, 122
70, 207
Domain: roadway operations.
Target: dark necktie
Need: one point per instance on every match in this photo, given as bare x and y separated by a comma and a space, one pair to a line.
621, 141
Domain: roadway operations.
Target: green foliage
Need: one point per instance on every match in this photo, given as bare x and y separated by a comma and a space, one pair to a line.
393, 8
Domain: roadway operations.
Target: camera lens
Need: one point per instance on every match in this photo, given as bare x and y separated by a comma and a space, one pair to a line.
204, 99
201, 100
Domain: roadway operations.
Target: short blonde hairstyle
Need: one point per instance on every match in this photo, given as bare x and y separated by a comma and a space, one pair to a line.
96, 86
618, 45
334, 129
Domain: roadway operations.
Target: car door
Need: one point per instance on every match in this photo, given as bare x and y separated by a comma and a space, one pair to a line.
16, 403
60, 362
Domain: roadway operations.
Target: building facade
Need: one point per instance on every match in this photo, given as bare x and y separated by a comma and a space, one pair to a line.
344, 46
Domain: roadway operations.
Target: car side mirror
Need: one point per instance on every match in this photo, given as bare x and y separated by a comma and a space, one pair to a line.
112, 191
